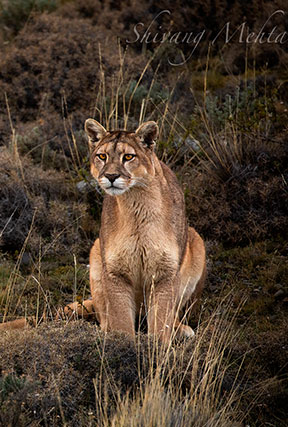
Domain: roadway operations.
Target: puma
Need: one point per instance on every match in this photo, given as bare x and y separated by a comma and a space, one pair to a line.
146, 259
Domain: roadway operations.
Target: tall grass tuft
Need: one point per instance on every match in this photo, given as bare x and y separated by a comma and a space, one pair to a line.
187, 383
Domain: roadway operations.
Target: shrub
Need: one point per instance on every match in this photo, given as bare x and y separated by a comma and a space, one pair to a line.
31, 197
53, 59
237, 189
81, 374
15, 13
251, 205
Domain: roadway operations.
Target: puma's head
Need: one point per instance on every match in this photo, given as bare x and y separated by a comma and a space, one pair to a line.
121, 160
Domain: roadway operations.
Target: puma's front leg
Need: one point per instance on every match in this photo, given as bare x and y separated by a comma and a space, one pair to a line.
112, 296
119, 304
96, 286
162, 309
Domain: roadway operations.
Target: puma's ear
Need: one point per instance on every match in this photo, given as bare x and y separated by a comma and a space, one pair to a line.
148, 133
95, 132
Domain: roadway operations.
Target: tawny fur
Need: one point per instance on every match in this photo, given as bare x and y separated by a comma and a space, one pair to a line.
146, 258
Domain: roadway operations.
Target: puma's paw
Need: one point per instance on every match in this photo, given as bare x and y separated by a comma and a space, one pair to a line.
185, 331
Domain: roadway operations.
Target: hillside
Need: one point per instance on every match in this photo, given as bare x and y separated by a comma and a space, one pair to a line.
214, 75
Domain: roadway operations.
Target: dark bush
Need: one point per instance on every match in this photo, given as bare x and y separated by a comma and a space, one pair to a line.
210, 16
251, 205
62, 363
52, 59
60, 218
16, 13
15, 217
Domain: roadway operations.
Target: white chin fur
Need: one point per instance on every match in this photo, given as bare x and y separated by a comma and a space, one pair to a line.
113, 191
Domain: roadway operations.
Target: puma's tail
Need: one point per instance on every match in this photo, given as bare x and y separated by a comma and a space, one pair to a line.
22, 323
73, 311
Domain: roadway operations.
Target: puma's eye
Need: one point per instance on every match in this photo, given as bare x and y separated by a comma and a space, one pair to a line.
102, 156
128, 157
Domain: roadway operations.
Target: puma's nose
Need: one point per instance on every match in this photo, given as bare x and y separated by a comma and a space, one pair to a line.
112, 176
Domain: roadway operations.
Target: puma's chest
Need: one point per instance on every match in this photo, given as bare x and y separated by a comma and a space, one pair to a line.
144, 255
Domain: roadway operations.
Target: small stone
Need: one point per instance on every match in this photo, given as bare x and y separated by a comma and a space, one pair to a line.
279, 294
25, 260
81, 186
193, 143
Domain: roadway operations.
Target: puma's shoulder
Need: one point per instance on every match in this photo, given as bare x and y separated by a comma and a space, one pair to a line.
172, 182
